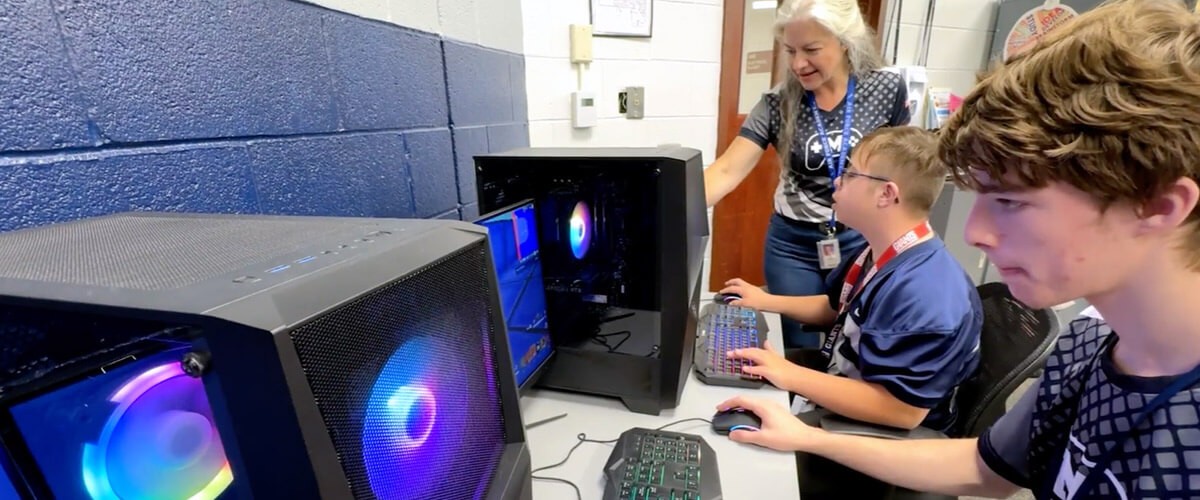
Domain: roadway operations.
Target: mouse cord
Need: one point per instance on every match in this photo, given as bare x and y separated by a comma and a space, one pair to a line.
582, 437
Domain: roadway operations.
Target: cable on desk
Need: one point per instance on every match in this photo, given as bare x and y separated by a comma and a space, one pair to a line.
693, 419
582, 437
578, 494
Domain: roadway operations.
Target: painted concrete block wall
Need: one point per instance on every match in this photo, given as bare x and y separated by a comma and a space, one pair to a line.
959, 40
251, 106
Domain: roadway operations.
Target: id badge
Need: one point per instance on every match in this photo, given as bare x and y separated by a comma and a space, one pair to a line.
829, 253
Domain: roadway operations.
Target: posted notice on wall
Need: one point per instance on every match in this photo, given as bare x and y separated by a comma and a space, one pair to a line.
622, 17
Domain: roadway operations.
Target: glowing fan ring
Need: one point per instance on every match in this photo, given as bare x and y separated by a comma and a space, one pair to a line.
580, 230
95, 459
399, 431
406, 400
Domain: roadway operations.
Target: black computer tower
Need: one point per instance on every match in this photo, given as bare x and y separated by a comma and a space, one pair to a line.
224, 356
623, 233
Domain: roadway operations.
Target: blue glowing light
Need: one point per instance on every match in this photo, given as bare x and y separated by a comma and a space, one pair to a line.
580, 234
400, 436
159, 442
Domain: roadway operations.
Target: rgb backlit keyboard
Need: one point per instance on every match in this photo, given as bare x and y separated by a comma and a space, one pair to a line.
723, 328
661, 465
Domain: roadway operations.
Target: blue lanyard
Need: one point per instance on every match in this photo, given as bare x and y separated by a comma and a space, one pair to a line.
1183, 383
835, 169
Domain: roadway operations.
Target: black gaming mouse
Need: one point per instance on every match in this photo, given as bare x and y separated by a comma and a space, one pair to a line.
725, 298
734, 419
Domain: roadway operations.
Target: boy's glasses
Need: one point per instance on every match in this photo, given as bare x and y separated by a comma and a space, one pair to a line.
851, 173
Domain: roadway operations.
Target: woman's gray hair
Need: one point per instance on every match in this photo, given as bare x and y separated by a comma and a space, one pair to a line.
845, 21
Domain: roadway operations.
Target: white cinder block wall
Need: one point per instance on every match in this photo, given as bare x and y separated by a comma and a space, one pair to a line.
490, 23
679, 67
959, 41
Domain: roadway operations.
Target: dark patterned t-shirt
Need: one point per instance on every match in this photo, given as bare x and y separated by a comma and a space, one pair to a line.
1081, 406
805, 192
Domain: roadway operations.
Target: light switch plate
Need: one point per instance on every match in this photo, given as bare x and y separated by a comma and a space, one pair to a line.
635, 103
581, 43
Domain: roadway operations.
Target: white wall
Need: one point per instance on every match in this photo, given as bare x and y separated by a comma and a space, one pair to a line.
959, 41
679, 68
491, 23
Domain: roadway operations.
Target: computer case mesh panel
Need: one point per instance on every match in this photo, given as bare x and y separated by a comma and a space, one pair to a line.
127, 252
404, 345
340, 357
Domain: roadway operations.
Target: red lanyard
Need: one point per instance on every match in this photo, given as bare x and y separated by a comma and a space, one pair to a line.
901, 244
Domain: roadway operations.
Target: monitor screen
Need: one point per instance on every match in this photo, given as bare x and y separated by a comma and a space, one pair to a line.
512, 233
7, 488
143, 429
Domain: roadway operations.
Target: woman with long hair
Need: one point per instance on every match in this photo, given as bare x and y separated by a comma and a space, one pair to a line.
834, 93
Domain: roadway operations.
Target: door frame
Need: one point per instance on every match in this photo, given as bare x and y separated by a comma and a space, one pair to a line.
741, 255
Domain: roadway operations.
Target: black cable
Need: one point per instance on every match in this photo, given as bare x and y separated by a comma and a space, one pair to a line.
627, 334
601, 338
610, 319
582, 437
693, 419
560, 480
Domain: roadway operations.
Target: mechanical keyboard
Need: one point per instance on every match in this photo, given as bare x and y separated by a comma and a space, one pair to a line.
723, 328
647, 464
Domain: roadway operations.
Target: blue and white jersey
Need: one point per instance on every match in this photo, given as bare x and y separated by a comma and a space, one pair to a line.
1051, 440
913, 329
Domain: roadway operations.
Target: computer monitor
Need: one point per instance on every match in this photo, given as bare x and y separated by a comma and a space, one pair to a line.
8, 487
513, 235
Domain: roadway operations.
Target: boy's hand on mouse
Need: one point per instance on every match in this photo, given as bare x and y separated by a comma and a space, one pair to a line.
752, 296
780, 430
768, 364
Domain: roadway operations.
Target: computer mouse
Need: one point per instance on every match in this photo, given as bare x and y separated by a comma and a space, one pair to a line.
725, 298
733, 419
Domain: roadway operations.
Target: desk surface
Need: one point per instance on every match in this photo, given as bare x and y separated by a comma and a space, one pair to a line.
747, 471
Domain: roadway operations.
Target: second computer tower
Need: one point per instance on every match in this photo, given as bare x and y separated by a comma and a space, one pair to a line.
623, 233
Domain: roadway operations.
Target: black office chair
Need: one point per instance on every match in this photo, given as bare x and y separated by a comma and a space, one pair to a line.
1014, 343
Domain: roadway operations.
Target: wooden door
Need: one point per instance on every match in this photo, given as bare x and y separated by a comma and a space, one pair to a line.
740, 219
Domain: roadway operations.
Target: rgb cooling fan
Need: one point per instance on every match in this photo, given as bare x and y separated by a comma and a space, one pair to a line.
414, 425
159, 442
580, 230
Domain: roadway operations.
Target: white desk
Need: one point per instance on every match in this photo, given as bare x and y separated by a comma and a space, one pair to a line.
747, 471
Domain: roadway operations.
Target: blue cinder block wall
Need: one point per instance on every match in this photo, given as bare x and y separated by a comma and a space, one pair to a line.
242, 106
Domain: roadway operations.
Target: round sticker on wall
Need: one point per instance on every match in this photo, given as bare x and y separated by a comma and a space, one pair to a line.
1034, 25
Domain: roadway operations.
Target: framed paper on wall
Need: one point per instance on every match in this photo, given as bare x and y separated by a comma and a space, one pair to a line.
627, 18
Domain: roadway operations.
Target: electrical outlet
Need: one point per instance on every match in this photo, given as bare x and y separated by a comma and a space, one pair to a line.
635, 103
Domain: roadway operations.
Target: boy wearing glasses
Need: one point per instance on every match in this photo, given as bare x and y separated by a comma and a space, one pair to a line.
905, 316
1084, 150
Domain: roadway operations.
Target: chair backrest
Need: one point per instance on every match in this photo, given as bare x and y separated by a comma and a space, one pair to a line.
1014, 344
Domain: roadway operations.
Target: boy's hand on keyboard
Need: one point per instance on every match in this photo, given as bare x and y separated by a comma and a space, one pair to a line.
766, 363
752, 296
780, 430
